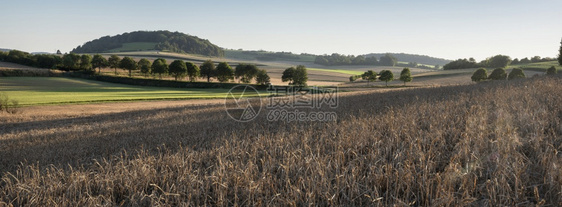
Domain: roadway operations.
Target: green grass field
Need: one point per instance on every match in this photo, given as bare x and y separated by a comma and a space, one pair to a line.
540, 67
55, 90
349, 72
135, 46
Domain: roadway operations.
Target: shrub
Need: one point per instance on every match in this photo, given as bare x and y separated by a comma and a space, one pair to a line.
516, 74
8, 105
498, 74
480, 75
551, 71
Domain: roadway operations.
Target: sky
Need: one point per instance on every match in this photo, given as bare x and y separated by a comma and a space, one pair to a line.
448, 29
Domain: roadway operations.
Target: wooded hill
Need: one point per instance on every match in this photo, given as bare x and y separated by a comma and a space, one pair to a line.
151, 40
420, 59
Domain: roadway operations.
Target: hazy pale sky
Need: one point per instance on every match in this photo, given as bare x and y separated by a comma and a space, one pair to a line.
448, 29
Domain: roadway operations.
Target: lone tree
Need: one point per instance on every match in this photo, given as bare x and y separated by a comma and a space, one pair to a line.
159, 66
178, 69
114, 62
208, 70
99, 62
246, 72
551, 71
406, 75
498, 74
480, 75
560, 54
86, 62
129, 64
296, 76
369, 76
262, 78
300, 77
192, 71
516, 73
224, 72
144, 66
386, 75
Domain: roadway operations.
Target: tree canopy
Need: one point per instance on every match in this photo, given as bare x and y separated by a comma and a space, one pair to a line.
113, 61
246, 72
192, 71
370, 76
71, 61
406, 75
516, 73
498, 74
208, 70
178, 69
386, 76
479, 75
129, 64
387, 60
144, 66
498, 61
262, 78
560, 54
224, 72
98, 61
159, 67
295, 76
85, 62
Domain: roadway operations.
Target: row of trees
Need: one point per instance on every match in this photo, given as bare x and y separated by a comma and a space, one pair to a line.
384, 75
337, 59
178, 69
501, 74
34, 60
498, 61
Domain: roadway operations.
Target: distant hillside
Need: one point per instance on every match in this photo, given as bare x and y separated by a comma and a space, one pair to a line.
420, 59
151, 40
4, 50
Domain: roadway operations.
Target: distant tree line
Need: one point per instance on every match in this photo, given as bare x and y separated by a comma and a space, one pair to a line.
384, 75
535, 59
337, 59
165, 40
501, 74
498, 61
277, 55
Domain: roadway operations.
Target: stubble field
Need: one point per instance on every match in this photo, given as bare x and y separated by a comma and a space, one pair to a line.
489, 144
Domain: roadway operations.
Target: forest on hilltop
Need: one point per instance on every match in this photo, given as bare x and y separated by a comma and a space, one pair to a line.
163, 41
